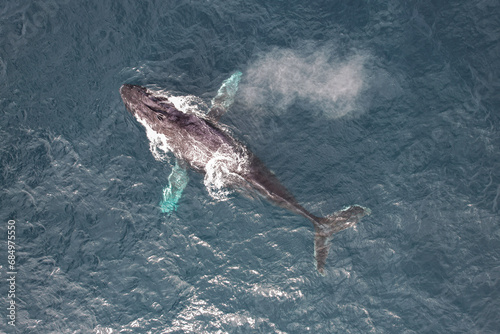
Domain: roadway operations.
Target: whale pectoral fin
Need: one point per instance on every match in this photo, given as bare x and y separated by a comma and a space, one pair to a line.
177, 181
225, 96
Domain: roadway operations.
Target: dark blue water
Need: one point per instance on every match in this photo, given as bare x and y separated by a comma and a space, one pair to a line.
388, 105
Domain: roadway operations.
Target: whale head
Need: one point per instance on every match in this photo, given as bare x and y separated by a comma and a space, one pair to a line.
147, 106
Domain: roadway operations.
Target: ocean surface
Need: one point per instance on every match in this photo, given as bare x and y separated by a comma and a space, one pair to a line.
391, 105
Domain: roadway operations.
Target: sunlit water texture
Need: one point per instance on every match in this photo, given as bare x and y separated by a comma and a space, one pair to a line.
390, 105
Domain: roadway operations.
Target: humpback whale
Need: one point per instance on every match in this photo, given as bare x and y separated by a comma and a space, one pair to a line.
200, 140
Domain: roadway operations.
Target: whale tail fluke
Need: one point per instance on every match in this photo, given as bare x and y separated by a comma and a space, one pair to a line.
325, 227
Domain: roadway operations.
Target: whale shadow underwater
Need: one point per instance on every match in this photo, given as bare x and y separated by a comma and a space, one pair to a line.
198, 140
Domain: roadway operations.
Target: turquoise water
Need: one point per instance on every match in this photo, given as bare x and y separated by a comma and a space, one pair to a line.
391, 106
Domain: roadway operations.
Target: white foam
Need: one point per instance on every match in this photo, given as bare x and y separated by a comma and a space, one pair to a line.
186, 103
158, 143
223, 170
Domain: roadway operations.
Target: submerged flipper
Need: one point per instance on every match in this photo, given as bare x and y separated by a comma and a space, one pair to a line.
177, 181
225, 96
327, 226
